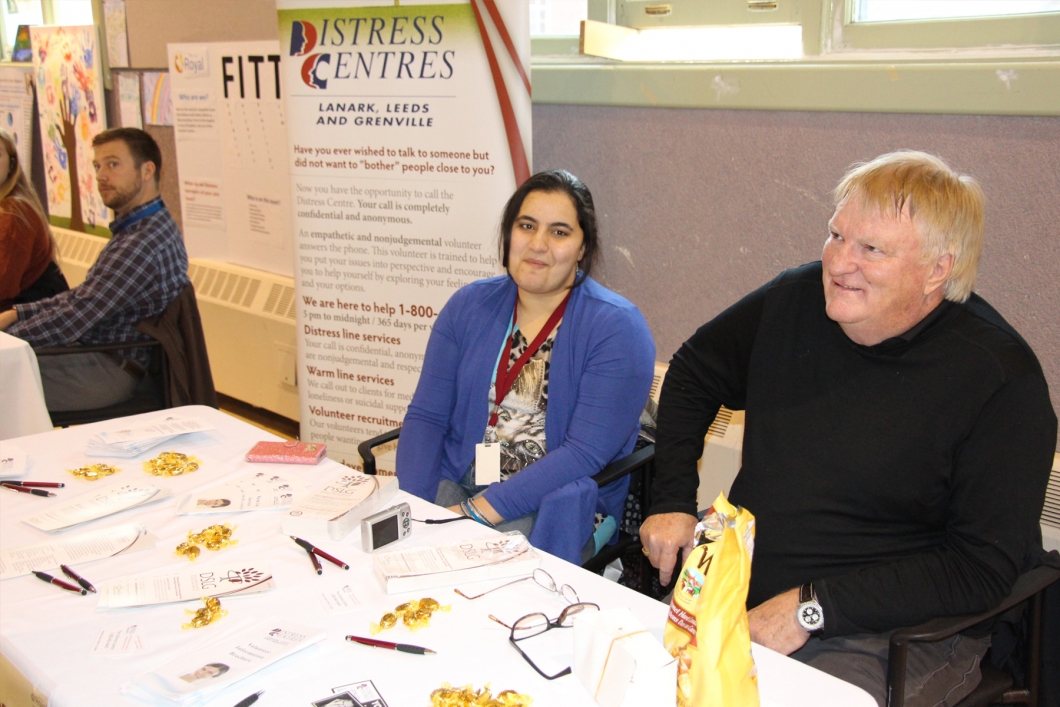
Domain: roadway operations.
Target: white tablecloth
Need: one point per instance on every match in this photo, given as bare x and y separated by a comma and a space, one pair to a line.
47, 633
23, 411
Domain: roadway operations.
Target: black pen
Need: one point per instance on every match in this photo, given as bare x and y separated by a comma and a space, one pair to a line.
23, 489
248, 701
77, 578
45, 577
403, 647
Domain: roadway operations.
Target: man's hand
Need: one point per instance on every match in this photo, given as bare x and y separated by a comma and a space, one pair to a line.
663, 535
773, 623
8, 318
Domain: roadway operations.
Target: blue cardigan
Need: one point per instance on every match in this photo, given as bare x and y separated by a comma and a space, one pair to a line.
599, 377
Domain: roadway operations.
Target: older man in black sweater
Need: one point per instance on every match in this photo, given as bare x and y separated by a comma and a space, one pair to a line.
899, 434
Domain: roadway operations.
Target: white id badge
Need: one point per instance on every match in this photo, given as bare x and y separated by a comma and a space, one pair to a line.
487, 463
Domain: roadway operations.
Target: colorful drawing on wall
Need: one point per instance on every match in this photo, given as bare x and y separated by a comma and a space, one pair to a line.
117, 33
70, 100
22, 52
158, 104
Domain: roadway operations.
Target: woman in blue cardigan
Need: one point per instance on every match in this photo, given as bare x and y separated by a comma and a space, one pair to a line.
572, 360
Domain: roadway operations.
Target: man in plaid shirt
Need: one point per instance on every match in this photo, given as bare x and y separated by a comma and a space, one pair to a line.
141, 270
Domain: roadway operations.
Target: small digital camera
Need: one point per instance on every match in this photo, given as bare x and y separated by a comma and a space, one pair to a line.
386, 527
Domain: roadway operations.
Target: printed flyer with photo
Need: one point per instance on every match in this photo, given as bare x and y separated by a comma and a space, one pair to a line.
256, 491
205, 670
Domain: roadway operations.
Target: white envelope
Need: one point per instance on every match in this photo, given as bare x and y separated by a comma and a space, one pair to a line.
620, 663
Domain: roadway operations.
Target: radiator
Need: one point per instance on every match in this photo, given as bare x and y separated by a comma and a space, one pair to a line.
248, 318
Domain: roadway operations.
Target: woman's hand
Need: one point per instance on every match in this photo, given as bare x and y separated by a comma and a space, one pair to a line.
484, 508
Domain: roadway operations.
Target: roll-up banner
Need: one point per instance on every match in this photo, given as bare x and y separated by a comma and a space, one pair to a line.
409, 128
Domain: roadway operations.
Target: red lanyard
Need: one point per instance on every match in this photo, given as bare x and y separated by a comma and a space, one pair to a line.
506, 376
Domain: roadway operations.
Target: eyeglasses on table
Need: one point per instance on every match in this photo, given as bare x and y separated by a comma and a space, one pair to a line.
537, 623
543, 579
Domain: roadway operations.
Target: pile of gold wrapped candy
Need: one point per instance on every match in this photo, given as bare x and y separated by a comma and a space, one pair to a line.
171, 464
415, 614
206, 615
215, 537
95, 471
467, 696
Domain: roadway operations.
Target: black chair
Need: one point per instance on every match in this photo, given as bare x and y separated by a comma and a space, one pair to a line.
997, 686
152, 394
638, 464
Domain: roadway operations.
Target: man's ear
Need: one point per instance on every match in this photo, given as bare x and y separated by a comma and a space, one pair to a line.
147, 170
940, 272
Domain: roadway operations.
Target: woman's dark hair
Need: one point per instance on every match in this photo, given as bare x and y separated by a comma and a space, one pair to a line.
555, 181
221, 668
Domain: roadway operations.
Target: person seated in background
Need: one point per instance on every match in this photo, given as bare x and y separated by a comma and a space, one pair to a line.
140, 271
898, 442
545, 365
28, 268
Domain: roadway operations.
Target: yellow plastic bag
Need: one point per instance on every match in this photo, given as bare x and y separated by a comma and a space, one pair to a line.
707, 627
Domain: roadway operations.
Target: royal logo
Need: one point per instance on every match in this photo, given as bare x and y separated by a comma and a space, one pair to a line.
190, 64
309, 70
303, 38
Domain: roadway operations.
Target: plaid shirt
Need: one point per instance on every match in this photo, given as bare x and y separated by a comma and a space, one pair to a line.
140, 271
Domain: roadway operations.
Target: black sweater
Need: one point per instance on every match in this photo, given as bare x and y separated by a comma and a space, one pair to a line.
905, 479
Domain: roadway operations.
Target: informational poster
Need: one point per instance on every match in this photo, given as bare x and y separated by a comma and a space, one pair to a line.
16, 109
409, 129
127, 85
157, 100
71, 105
117, 33
231, 134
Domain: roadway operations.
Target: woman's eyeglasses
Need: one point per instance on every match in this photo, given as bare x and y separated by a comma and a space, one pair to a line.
537, 623
543, 578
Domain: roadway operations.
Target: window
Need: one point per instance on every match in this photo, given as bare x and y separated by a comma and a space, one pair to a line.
557, 18
40, 12
897, 10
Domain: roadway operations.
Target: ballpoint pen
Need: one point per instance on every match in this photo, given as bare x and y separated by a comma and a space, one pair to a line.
315, 561
248, 701
45, 577
403, 647
37, 484
313, 549
23, 489
85, 584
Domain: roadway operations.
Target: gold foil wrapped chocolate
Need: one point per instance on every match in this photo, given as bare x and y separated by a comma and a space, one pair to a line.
467, 696
171, 464
414, 614
215, 537
206, 615
94, 471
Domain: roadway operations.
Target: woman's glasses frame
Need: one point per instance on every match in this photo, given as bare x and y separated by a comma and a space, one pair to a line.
537, 623
543, 579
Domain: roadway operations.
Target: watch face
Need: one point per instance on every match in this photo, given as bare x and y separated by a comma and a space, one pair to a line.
810, 616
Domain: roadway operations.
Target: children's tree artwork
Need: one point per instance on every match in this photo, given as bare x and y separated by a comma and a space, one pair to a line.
70, 100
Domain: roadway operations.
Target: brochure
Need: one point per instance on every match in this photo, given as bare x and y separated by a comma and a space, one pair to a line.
335, 509
75, 549
129, 442
96, 503
186, 585
197, 674
256, 491
474, 560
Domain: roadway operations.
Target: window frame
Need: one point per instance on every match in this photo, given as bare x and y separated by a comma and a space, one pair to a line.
857, 67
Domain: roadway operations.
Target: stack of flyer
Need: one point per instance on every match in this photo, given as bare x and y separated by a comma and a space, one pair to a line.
194, 677
131, 441
13, 461
336, 508
474, 560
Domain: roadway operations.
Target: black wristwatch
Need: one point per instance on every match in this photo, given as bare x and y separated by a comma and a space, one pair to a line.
809, 613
